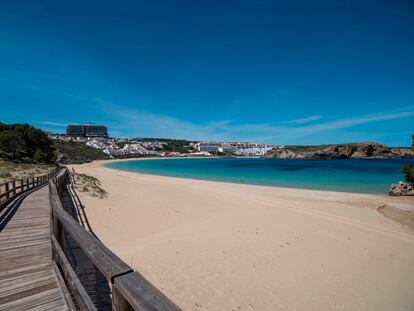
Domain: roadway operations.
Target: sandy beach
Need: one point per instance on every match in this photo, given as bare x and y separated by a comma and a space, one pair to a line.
222, 246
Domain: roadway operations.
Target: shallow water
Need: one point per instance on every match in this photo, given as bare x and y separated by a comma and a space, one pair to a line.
364, 176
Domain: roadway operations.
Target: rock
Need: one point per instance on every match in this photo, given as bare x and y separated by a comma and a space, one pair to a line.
401, 189
403, 152
358, 155
286, 154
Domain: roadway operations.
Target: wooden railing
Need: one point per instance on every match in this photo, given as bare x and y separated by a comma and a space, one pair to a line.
130, 290
10, 189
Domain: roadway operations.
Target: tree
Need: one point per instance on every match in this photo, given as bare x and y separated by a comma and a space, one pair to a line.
409, 173
409, 169
24, 143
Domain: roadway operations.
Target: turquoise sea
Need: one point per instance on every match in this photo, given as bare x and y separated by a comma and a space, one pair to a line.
364, 176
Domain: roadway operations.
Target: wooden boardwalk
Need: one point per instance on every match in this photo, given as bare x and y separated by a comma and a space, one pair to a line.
27, 277
47, 246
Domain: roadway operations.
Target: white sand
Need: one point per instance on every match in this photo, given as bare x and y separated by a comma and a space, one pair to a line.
222, 246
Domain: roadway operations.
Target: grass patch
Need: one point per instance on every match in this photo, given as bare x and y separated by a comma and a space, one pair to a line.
89, 185
14, 171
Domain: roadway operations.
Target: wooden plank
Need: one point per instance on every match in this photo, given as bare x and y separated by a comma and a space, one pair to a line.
27, 279
14, 187
27, 283
8, 284
6, 192
35, 302
141, 294
22, 271
72, 280
62, 285
32, 288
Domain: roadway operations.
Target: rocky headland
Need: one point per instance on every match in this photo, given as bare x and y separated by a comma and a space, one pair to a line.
341, 151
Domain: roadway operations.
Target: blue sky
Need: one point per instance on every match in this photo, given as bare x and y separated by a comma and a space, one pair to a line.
282, 72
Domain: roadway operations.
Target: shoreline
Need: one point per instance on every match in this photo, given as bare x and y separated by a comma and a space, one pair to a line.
399, 209
401, 213
222, 246
227, 181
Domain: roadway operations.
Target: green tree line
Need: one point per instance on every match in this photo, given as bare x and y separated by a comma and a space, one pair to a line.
22, 143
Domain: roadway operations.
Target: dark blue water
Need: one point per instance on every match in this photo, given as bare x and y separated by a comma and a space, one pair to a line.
365, 176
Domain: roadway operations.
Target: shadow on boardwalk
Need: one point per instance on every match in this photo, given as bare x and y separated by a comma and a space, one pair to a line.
92, 279
7, 212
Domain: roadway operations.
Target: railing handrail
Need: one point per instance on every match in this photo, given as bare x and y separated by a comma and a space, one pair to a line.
106, 261
11, 186
30, 177
129, 288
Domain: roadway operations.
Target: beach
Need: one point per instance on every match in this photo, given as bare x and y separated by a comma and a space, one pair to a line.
224, 246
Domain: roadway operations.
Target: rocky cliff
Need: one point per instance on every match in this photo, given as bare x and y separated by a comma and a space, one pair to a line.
341, 151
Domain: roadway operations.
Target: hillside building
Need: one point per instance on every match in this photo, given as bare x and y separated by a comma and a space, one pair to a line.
87, 130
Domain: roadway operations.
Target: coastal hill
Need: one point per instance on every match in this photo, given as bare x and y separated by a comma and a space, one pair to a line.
341, 151
22, 143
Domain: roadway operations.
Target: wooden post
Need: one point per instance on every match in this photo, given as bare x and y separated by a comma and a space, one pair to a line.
27, 184
59, 232
7, 190
14, 187
119, 303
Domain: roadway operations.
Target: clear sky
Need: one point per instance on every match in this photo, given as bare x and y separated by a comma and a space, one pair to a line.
282, 72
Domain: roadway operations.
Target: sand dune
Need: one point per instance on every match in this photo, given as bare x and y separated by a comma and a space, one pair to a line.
222, 246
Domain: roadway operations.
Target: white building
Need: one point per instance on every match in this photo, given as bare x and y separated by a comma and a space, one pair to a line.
209, 146
237, 148
255, 151
96, 144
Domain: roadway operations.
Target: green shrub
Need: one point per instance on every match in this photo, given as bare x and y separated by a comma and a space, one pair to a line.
24, 143
409, 173
70, 152
172, 145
